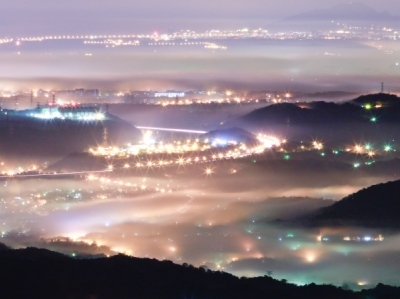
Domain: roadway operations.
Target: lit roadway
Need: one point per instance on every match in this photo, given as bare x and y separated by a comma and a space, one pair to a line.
172, 130
54, 174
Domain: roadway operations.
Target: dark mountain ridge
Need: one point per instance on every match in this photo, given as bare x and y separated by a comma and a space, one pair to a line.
352, 14
376, 206
22, 135
39, 273
365, 109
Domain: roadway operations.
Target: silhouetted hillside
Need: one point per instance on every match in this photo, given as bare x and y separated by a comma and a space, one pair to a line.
39, 273
376, 206
384, 99
306, 113
30, 136
381, 108
355, 14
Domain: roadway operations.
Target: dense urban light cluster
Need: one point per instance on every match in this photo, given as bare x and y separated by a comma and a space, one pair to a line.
199, 150
167, 216
352, 32
219, 101
252, 151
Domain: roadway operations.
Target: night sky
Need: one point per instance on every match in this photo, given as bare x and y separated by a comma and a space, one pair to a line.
73, 17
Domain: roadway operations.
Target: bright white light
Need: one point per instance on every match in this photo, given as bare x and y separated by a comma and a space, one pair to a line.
268, 141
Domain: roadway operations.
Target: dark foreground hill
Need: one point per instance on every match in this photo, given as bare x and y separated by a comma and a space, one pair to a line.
376, 206
38, 273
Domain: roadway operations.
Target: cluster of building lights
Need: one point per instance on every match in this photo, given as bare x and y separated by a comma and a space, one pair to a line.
368, 150
68, 111
6, 40
364, 239
220, 101
317, 145
378, 238
213, 46
352, 32
186, 35
223, 149
11, 172
70, 116
79, 37
114, 42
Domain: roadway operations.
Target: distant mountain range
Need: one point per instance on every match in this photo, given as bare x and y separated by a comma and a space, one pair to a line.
351, 13
348, 11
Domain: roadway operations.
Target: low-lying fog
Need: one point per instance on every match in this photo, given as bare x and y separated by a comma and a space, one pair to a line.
225, 221
228, 220
284, 65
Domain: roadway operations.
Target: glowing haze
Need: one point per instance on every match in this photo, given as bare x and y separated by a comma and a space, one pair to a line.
231, 209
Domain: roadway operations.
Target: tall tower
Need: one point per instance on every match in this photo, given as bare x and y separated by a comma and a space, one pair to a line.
105, 137
31, 99
382, 87
54, 99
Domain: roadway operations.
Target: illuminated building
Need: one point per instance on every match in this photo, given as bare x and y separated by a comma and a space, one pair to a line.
169, 94
68, 112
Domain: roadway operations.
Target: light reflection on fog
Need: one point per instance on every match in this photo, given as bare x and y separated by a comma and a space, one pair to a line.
205, 222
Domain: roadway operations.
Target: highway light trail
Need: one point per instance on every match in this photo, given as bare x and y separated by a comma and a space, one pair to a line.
54, 174
172, 130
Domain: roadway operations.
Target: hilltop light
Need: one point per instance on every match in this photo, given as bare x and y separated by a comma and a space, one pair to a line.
373, 119
368, 106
